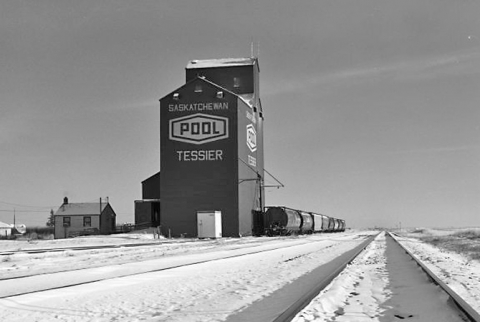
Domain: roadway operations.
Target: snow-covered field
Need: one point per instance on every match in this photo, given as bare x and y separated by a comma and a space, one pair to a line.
210, 291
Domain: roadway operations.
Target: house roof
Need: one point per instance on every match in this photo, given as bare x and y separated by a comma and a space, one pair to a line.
220, 62
71, 209
4, 225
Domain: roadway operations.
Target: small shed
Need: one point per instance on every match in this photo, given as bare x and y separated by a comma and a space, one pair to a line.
5, 229
80, 219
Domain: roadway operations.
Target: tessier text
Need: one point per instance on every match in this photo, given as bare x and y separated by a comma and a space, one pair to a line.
200, 155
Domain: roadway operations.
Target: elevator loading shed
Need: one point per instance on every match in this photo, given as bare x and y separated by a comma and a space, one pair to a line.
147, 210
211, 147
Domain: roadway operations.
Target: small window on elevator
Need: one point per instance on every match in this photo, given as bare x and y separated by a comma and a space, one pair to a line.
236, 82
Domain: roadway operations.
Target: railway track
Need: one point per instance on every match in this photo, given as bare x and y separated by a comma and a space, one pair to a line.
48, 281
108, 246
301, 304
201, 291
80, 248
222, 301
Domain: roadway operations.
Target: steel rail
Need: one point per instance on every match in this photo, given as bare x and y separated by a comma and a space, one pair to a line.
94, 247
232, 254
97, 247
76, 248
466, 308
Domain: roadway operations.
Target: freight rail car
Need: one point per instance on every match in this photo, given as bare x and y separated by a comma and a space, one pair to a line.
281, 220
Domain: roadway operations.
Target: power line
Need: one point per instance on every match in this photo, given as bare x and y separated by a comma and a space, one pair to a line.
26, 206
16, 210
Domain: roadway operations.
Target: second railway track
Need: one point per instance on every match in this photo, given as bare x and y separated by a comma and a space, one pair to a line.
208, 291
49, 281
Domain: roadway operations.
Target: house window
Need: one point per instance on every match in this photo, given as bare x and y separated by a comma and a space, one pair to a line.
87, 221
66, 221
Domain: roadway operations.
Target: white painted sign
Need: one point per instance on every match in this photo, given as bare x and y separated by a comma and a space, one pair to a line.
252, 161
251, 138
200, 155
198, 107
198, 128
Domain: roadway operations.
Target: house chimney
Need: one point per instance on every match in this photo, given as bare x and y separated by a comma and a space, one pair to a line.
65, 201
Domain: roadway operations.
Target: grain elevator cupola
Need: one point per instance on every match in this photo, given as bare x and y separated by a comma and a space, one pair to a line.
238, 75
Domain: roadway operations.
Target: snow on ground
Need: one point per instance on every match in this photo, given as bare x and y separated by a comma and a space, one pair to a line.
356, 294
22, 264
205, 292
213, 290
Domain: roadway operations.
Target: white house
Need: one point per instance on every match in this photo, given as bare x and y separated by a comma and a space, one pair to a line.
90, 218
5, 229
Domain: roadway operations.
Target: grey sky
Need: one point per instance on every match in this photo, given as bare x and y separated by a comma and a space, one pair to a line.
371, 107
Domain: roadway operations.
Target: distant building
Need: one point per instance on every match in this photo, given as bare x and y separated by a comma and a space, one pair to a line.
5, 229
15, 229
75, 219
